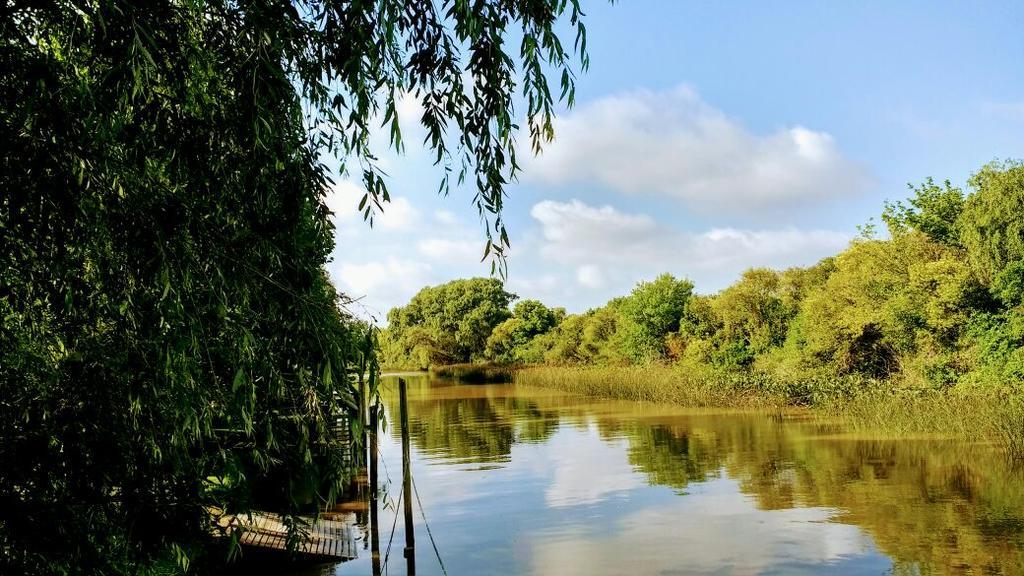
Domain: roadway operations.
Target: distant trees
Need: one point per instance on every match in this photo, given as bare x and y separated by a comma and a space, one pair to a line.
933, 210
650, 313
939, 303
587, 338
446, 324
992, 229
865, 316
530, 318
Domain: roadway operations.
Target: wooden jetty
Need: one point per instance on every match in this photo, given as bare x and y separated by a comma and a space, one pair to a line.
327, 539
333, 535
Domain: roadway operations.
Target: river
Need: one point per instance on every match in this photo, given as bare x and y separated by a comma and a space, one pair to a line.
516, 480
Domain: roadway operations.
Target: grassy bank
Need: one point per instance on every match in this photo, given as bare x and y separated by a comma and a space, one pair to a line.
990, 417
869, 407
651, 384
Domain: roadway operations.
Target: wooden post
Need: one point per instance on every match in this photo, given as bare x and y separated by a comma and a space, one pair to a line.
410, 541
374, 530
363, 425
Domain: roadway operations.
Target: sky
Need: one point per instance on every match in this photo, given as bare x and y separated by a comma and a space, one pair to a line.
708, 138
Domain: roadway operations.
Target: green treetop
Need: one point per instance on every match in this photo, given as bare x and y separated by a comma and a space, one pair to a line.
447, 324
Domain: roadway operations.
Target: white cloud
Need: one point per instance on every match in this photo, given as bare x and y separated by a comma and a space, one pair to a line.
444, 248
410, 111
343, 201
615, 249
674, 144
575, 231
344, 198
391, 280
445, 217
736, 249
398, 214
590, 276
407, 249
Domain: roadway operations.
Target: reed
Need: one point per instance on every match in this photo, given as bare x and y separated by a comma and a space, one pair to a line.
874, 407
991, 417
653, 384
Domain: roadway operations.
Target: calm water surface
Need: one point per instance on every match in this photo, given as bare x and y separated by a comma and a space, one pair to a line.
520, 480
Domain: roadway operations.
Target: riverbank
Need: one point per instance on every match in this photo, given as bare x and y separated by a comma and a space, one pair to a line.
865, 406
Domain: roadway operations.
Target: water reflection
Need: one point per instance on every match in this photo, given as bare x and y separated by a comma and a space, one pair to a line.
526, 481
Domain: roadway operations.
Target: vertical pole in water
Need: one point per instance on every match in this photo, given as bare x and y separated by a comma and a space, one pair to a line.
374, 531
362, 419
410, 542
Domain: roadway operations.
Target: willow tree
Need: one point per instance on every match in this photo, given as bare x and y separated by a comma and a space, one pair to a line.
169, 340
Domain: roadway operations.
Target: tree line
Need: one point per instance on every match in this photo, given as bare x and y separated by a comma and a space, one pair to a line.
937, 303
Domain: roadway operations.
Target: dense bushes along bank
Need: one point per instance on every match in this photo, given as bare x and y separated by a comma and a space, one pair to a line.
929, 317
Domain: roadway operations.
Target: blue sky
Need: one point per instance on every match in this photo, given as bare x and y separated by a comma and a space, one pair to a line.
711, 137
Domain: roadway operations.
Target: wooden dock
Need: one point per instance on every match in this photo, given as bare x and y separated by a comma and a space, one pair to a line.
328, 539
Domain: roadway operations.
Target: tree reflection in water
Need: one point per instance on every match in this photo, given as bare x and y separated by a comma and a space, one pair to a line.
931, 506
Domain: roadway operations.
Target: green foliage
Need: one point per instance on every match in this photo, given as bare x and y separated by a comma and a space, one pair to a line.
650, 313
700, 318
537, 318
999, 342
864, 316
753, 313
747, 321
530, 318
589, 338
168, 338
474, 373
653, 383
932, 211
1008, 286
447, 324
992, 228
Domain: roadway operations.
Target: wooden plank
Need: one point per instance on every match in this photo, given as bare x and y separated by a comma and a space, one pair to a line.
319, 546
328, 538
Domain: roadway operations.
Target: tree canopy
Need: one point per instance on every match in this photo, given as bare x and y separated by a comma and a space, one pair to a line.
530, 318
650, 313
933, 210
446, 324
992, 228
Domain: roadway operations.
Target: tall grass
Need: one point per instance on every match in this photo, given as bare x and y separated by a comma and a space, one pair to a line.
864, 406
651, 383
978, 416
